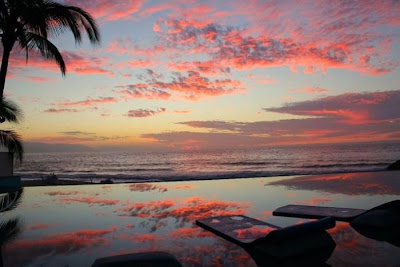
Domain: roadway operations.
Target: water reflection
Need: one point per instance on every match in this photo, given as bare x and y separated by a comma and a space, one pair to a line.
74, 225
372, 183
183, 210
64, 243
9, 229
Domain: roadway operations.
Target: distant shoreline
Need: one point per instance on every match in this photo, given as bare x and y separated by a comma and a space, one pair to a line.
63, 182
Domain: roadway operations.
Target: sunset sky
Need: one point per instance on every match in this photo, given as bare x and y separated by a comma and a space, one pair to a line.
206, 74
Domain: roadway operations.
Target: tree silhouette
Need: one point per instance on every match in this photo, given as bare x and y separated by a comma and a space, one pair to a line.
10, 112
29, 23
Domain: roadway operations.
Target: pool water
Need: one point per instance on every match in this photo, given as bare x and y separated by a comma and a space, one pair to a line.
74, 225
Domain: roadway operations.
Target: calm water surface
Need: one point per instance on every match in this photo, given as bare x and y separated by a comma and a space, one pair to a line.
74, 225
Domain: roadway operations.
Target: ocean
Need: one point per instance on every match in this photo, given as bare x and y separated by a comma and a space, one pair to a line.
195, 165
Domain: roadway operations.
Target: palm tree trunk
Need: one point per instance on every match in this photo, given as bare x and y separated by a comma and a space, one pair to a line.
3, 70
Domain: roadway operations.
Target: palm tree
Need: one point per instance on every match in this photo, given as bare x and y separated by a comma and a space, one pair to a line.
10, 112
30, 22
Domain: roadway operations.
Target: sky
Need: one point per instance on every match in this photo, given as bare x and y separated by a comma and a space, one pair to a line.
190, 75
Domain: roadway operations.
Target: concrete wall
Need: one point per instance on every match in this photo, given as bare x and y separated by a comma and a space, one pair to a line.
6, 164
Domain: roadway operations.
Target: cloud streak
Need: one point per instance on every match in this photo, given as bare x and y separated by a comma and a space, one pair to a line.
342, 118
89, 102
143, 113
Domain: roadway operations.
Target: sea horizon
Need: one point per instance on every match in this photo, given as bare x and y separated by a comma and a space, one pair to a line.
136, 166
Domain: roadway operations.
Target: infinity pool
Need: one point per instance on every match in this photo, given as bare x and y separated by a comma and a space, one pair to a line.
74, 225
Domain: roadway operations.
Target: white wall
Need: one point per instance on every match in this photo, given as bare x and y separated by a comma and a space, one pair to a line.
6, 164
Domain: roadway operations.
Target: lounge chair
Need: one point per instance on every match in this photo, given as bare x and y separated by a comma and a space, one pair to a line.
379, 223
270, 245
143, 259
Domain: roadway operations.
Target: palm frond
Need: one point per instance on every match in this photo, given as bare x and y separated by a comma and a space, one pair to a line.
46, 48
10, 111
74, 18
32, 16
11, 200
9, 231
12, 141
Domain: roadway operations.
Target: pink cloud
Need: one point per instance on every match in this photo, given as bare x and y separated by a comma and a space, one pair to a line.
39, 79
293, 47
309, 90
353, 108
191, 86
267, 81
182, 111
110, 10
156, 27
210, 67
76, 63
143, 113
142, 91
140, 63
89, 101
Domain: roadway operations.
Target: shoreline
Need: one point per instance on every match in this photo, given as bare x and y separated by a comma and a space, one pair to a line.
64, 181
